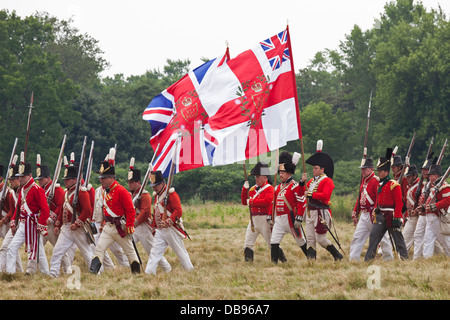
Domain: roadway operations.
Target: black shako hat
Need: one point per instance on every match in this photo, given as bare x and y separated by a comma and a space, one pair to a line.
435, 169
367, 163
384, 163
42, 171
133, 174
107, 168
24, 168
411, 170
322, 160
156, 178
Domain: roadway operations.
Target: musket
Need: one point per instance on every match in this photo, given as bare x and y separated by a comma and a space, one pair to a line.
441, 156
440, 183
3, 194
137, 197
170, 179
57, 171
248, 197
274, 213
364, 157
89, 166
332, 235
78, 183
408, 156
28, 126
419, 187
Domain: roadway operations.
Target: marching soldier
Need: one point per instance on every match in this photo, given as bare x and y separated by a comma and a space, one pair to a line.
397, 167
318, 192
388, 211
44, 180
286, 208
69, 228
119, 215
410, 216
259, 198
169, 231
419, 232
363, 209
433, 206
143, 206
8, 205
33, 211
115, 248
6, 220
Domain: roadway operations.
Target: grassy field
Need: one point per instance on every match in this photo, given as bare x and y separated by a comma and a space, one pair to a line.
217, 232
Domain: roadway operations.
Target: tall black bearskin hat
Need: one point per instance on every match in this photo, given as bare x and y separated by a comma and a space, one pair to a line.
24, 168
384, 163
41, 170
261, 169
288, 162
107, 168
322, 159
133, 174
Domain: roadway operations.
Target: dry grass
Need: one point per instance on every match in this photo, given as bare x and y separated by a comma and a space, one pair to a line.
217, 232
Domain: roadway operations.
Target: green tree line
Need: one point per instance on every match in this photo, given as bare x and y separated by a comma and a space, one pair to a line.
402, 61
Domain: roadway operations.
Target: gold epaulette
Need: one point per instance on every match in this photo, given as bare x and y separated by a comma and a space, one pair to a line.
252, 189
394, 184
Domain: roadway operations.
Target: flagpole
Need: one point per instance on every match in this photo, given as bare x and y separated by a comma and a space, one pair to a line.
296, 97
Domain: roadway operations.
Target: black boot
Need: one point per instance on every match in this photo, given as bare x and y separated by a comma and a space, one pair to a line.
248, 254
275, 252
281, 255
135, 267
303, 247
95, 265
311, 253
334, 252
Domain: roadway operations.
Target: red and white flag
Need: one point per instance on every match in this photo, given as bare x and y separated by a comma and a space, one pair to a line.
228, 110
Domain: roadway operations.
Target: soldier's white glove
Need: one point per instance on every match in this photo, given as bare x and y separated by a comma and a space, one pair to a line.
246, 185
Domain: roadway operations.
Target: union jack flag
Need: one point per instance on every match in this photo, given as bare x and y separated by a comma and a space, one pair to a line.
276, 49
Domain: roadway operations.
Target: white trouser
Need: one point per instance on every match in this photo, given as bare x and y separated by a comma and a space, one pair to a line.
433, 233
13, 251
312, 237
143, 234
4, 251
408, 231
67, 238
261, 227
167, 237
53, 238
281, 227
360, 236
419, 234
115, 249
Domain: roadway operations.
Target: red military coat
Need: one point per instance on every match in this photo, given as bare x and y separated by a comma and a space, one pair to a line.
260, 198
84, 209
410, 199
118, 203
144, 207
9, 204
57, 202
174, 210
367, 194
286, 197
320, 193
34, 196
442, 200
389, 198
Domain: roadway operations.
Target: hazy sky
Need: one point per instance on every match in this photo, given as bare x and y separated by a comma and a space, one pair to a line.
140, 35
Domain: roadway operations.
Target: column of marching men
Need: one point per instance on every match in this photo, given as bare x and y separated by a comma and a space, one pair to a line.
395, 209
107, 217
